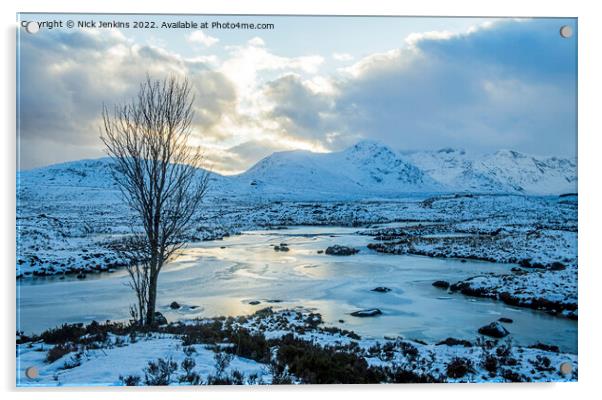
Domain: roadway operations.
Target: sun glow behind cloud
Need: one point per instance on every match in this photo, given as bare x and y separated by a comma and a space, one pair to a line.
479, 86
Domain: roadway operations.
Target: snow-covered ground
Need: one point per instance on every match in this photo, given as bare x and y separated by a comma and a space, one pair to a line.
121, 357
116, 359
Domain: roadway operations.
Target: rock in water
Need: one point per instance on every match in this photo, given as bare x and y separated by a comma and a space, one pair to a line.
545, 347
505, 320
381, 289
254, 302
174, 305
557, 266
367, 313
455, 342
160, 318
441, 284
494, 329
338, 250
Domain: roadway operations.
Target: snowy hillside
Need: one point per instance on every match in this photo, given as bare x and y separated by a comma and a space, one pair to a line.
504, 171
530, 174
365, 170
83, 173
76, 180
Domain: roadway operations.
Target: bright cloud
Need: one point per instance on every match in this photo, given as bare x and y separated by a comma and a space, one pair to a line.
201, 38
256, 41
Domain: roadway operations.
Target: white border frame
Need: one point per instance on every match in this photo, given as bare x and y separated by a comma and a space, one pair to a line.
589, 146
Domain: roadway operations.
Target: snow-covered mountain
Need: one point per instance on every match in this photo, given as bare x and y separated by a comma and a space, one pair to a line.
365, 170
91, 174
83, 173
504, 171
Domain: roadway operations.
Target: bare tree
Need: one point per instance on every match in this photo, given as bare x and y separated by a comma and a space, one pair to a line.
157, 171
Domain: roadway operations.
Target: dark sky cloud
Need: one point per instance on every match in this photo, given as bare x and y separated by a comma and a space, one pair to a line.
512, 85
66, 78
299, 110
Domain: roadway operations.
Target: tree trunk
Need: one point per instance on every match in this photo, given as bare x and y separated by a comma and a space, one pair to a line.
152, 299
141, 307
152, 290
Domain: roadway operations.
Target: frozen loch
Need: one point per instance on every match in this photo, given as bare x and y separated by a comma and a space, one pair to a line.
243, 273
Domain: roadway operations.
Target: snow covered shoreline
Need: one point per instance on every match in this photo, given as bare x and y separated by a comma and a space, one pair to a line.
268, 347
539, 234
65, 234
541, 241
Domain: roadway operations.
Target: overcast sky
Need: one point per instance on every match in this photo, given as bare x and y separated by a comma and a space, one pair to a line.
313, 83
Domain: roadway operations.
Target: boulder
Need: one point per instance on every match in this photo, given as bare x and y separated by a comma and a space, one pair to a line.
160, 319
545, 347
494, 329
373, 312
441, 284
174, 305
254, 302
338, 250
381, 289
455, 342
281, 248
557, 266
505, 320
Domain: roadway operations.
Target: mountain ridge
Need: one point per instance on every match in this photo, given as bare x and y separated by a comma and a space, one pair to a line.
368, 169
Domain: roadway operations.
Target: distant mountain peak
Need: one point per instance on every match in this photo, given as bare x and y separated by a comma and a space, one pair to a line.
368, 169
451, 150
368, 146
511, 154
504, 171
